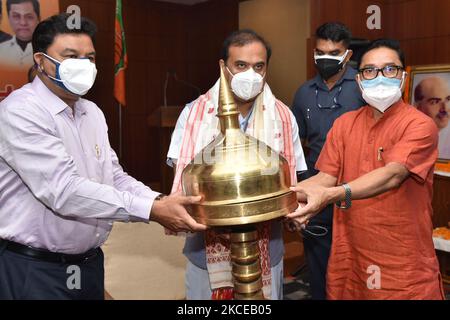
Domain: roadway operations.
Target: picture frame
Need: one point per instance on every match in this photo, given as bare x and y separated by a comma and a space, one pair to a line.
428, 89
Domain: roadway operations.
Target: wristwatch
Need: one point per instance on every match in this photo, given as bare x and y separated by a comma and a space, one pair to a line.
348, 198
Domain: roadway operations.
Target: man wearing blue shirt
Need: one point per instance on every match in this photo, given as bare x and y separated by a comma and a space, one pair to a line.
317, 104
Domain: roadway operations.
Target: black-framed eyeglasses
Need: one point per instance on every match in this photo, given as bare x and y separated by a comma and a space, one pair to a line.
335, 104
370, 73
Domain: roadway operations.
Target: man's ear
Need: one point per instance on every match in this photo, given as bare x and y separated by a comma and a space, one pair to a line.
358, 82
404, 79
349, 55
225, 70
38, 60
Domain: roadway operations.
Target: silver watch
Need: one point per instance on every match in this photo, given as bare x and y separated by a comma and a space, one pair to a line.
348, 198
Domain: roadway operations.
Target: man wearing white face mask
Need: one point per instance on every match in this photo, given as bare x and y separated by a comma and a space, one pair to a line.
245, 58
377, 168
61, 183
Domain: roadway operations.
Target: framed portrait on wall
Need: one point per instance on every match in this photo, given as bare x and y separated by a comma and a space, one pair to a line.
428, 89
18, 19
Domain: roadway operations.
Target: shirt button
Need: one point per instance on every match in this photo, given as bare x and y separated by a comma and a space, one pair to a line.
97, 235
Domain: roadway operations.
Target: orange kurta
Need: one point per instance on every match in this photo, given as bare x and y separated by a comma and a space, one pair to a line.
387, 237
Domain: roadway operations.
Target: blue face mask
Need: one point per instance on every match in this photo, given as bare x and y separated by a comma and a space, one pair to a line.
381, 81
381, 92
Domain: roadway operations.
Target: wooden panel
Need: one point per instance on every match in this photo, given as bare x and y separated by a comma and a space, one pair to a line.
421, 26
350, 12
310, 70
164, 120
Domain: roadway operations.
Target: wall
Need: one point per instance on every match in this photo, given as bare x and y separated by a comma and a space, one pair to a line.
285, 24
422, 28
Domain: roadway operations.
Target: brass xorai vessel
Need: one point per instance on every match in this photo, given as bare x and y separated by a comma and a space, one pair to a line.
242, 182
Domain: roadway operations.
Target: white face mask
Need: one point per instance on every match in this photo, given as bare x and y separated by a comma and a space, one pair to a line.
246, 85
381, 92
74, 75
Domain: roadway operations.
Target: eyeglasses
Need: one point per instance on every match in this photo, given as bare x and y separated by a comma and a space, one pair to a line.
335, 105
370, 73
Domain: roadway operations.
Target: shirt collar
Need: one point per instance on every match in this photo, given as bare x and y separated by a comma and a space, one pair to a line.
243, 121
51, 101
13, 42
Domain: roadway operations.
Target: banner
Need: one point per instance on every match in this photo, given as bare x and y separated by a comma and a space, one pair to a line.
17, 24
120, 56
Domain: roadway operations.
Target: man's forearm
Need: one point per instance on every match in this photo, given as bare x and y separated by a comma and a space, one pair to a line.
321, 190
373, 183
322, 179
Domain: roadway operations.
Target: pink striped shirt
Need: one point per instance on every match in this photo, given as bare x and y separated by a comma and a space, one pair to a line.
61, 185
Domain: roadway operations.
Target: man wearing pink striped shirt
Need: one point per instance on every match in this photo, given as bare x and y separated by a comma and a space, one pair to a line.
61, 185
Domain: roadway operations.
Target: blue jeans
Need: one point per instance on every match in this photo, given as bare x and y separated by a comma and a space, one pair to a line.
198, 286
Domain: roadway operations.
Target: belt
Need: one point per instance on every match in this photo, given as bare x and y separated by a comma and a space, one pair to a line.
48, 256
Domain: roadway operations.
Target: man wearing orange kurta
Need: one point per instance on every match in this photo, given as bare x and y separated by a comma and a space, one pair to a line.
377, 166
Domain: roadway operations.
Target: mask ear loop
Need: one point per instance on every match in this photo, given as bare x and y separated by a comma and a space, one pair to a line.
403, 79
56, 62
344, 56
340, 59
232, 75
359, 82
317, 227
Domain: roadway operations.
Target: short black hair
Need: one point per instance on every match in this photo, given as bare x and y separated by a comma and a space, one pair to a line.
35, 3
385, 43
336, 32
1, 7
47, 30
241, 38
